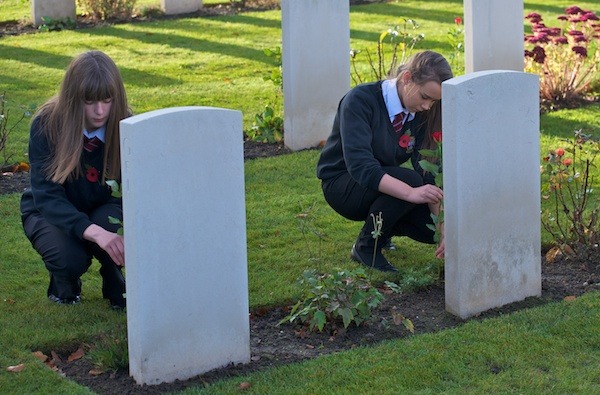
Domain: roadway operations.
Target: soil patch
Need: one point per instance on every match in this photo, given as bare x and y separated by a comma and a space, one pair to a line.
272, 345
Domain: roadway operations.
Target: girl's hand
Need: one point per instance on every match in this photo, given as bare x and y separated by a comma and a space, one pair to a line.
110, 242
425, 194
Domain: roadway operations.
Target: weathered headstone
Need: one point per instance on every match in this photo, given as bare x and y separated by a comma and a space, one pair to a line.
491, 190
316, 67
173, 7
55, 9
185, 242
494, 37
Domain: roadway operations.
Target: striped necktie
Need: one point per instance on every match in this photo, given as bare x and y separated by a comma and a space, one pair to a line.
91, 144
398, 122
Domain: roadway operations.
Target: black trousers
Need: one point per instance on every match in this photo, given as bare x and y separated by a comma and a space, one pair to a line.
67, 257
400, 218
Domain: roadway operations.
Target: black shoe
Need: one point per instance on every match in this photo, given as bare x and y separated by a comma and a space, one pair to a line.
388, 245
57, 300
366, 259
118, 305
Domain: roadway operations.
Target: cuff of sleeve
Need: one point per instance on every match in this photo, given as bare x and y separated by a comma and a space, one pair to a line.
81, 226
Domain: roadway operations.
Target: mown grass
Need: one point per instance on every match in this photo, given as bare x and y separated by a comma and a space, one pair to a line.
219, 62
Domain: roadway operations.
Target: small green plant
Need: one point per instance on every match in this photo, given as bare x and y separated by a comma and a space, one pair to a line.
108, 9
456, 38
5, 130
568, 184
151, 12
433, 164
115, 191
342, 296
267, 127
56, 24
401, 40
276, 75
306, 224
566, 58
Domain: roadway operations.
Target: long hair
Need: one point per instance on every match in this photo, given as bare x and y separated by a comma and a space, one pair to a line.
91, 76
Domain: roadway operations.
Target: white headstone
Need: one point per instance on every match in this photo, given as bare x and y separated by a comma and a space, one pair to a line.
55, 9
185, 242
173, 7
491, 162
316, 67
494, 35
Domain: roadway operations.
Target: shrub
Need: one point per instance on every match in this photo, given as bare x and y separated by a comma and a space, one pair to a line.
566, 58
401, 40
568, 184
267, 127
342, 296
108, 9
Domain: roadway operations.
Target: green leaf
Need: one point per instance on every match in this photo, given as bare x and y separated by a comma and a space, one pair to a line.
347, 316
428, 152
114, 221
429, 167
319, 320
439, 180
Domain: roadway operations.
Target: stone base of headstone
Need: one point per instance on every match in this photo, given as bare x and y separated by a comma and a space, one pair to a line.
185, 242
55, 9
491, 190
173, 7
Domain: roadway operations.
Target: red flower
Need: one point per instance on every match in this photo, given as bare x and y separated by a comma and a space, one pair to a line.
567, 161
404, 141
560, 151
437, 136
458, 20
92, 174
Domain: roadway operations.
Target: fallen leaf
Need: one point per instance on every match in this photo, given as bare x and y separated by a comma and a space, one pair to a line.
55, 357
52, 366
570, 298
244, 385
95, 372
76, 355
553, 254
40, 355
16, 368
23, 167
569, 250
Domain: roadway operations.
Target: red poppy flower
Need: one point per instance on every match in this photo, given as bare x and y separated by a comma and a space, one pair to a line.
404, 141
560, 151
567, 161
437, 136
458, 20
92, 174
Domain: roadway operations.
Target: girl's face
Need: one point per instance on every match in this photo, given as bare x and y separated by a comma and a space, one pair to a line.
96, 114
416, 98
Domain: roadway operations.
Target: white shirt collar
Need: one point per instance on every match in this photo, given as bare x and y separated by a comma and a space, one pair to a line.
100, 133
392, 101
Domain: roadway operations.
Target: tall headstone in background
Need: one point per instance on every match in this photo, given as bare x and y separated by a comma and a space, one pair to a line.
316, 67
494, 35
55, 9
185, 242
491, 190
173, 7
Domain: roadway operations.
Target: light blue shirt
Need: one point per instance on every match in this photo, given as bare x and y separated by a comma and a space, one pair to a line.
100, 133
392, 101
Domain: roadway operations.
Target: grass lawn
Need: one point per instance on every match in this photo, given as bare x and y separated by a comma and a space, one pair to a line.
219, 62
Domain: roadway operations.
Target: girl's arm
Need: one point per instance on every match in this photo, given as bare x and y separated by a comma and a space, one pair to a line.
424, 194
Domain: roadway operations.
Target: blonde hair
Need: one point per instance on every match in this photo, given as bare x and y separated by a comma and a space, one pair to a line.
91, 76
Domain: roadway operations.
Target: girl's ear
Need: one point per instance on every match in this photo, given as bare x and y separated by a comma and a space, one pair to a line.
406, 77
